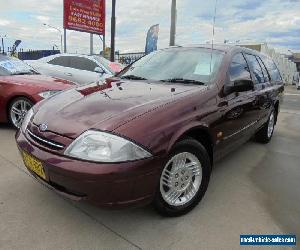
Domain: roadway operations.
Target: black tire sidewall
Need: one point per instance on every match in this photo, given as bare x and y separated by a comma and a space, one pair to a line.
274, 114
197, 149
262, 135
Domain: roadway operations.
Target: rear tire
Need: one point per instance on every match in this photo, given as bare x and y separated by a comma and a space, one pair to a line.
184, 179
18, 109
264, 135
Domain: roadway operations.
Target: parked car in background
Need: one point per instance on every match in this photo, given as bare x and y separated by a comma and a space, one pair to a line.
21, 87
296, 78
81, 69
153, 133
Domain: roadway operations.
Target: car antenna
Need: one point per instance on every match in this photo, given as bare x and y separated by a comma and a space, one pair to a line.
213, 35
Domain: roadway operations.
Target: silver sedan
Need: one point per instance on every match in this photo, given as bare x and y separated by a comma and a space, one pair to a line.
81, 69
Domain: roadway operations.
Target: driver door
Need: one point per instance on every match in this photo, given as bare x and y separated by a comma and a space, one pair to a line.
238, 110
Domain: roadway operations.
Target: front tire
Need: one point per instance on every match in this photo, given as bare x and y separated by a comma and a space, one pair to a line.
18, 109
184, 179
264, 135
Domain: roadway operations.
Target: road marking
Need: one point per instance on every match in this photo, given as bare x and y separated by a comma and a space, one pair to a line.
289, 111
291, 94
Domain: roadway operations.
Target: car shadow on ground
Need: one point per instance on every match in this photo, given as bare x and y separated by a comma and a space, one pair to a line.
6, 126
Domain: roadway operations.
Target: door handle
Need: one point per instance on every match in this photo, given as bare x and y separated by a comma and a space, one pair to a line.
68, 74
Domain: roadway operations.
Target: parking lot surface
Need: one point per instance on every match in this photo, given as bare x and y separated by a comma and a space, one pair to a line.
254, 190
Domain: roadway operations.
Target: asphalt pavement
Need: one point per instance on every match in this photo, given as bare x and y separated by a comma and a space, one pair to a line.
254, 190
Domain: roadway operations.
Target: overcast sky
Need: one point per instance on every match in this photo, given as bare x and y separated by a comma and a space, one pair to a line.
276, 22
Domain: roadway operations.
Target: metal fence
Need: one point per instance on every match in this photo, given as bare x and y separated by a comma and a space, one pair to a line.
128, 58
31, 54
36, 54
123, 58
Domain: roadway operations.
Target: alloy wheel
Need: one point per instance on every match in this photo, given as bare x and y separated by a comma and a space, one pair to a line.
181, 179
271, 124
18, 111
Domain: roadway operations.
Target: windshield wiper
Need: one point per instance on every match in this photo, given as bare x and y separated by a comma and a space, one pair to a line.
182, 80
133, 77
22, 73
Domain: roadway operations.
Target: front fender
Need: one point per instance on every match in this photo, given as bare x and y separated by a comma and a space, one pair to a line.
186, 130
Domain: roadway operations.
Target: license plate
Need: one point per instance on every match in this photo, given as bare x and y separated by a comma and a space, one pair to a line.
34, 165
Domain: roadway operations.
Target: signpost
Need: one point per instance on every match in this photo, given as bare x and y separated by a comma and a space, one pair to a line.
173, 23
85, 16
113, 31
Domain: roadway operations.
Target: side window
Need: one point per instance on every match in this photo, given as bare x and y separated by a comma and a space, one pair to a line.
257, 71
3, 72
82, 63
239, 68
265, 72
272, 69
61, 61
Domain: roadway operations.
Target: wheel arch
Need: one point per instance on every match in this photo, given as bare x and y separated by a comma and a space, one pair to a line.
200, 134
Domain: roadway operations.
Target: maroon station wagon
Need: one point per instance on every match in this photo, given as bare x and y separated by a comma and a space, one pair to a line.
152, 133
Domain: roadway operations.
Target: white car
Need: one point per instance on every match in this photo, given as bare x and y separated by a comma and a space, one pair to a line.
81, 69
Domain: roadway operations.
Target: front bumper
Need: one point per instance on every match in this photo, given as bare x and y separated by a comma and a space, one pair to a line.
105, 185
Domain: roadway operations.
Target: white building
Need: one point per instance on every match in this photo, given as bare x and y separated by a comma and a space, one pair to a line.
286, 67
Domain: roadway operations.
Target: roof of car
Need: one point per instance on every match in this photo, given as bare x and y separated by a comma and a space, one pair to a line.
221, 47
74, 54
68, 54
3, 57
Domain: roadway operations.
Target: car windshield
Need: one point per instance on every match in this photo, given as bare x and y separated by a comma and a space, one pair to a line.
182, 65
104, 62
14, 66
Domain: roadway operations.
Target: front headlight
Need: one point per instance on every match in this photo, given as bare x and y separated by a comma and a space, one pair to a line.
26, 120
48, 93
104, 147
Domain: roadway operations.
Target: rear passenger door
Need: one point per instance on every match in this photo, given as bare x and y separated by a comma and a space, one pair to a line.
60, 67
276, 87
262, 87
84, 69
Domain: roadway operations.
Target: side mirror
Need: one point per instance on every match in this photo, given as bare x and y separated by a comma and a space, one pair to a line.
240, 85
99, 70
243, 85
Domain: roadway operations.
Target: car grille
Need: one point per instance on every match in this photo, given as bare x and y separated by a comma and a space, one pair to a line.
45, 142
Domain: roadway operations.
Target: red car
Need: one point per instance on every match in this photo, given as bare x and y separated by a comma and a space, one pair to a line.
153, 134
21, 87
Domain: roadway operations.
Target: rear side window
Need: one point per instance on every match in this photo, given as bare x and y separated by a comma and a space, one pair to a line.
256, 69
61, 61
239, 68
82, 63
272, 69
265, 72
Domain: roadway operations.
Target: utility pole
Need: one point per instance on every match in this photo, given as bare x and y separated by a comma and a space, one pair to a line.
2, 45
113, 31
91, 44
103, 40
173, 23
2, 41
61, 43
65, 41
